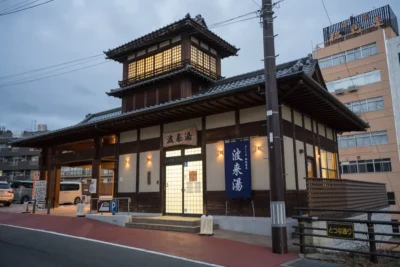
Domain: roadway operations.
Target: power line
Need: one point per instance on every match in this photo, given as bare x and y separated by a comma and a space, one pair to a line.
52, 66
361, 106
19, 10
256, 3
211, 26
58, 74
47, 72
17, 6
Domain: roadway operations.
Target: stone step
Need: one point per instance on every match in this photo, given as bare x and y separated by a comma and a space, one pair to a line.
164, 227
161, 221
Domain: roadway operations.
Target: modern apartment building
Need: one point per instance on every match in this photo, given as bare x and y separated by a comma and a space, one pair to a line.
358, 60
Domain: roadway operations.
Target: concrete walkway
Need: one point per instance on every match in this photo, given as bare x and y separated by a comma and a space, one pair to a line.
206, 249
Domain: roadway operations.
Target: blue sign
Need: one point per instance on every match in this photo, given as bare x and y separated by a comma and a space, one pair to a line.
238, 169
113, 206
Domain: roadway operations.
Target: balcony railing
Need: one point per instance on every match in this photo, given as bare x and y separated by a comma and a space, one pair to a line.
177, 65
382, 17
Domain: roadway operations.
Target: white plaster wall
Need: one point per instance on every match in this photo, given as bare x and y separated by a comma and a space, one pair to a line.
154, 167
301, 165
215, 167
127, 171
286, 113
180, 125
289, 163
298, 119
315, 126
321, 129
259, 164
310, 150
252, 114
307, 123
220, 120
329, 133
150, 132
128, 136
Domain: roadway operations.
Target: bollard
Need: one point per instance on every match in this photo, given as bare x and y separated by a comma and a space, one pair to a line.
48, 206
34, 206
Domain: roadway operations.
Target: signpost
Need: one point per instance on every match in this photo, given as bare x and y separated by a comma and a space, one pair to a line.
40, 190
113, 206
238, 169
103, 205
93, 186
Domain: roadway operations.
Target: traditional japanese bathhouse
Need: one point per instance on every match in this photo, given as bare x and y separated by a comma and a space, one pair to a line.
187, 141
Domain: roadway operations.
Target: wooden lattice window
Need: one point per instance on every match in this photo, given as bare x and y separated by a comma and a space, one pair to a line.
203, 61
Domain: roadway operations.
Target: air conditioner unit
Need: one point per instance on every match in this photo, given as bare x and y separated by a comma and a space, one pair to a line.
353, 88
339, 91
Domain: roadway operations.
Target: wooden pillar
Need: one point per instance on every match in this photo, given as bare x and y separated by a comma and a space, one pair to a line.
42, 164
57, 180
162, 168
204, 160
49, 174
138, 168
116, 166
96, 168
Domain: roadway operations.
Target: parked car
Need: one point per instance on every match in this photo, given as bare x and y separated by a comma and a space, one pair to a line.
70, 192
22, 191
6, 194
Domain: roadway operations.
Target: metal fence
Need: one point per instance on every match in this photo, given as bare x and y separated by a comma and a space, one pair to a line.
343, 228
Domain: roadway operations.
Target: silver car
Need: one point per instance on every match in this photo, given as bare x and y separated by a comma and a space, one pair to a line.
6, 194
22, 191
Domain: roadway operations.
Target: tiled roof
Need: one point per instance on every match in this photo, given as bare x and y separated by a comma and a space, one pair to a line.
306, 65
166, 31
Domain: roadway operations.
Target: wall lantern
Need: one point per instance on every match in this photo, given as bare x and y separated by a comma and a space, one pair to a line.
127, 161
148, 159
258, 148
220, 152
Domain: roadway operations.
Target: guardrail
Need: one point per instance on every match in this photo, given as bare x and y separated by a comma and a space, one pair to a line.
344, 228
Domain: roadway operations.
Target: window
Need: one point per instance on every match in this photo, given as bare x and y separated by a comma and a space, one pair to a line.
156, 64
328, 164
4, 186
27, 185
203, 61
15, 185
364, 139
391, 198
357, 80
192, 151
173, 153
354, 54
367, 105
69, 187
366, 166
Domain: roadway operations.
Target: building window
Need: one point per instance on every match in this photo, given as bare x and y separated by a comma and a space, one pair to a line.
192, 151
366, 166
173, 153
367, 105
203, 61
356, 80
354, 54
365, 139
328, 164
156, 64
391, 198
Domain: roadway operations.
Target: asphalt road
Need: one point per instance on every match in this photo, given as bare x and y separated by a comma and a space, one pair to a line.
21, 247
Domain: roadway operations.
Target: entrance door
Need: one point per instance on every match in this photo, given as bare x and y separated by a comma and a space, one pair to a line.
173, 189
311, 169
184, 188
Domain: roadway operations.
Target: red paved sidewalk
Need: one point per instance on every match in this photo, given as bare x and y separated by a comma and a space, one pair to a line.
212, 250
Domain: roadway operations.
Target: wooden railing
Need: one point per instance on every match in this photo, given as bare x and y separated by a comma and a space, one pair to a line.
344, 194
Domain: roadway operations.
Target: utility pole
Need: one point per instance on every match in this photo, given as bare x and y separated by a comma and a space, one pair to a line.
276, 175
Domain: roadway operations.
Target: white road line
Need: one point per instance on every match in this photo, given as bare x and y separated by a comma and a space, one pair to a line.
113, 244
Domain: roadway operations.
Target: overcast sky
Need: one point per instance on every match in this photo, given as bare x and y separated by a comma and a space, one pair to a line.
65, 30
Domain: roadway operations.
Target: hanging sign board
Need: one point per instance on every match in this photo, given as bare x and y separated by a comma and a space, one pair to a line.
238, 169
39, 193
186, 136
